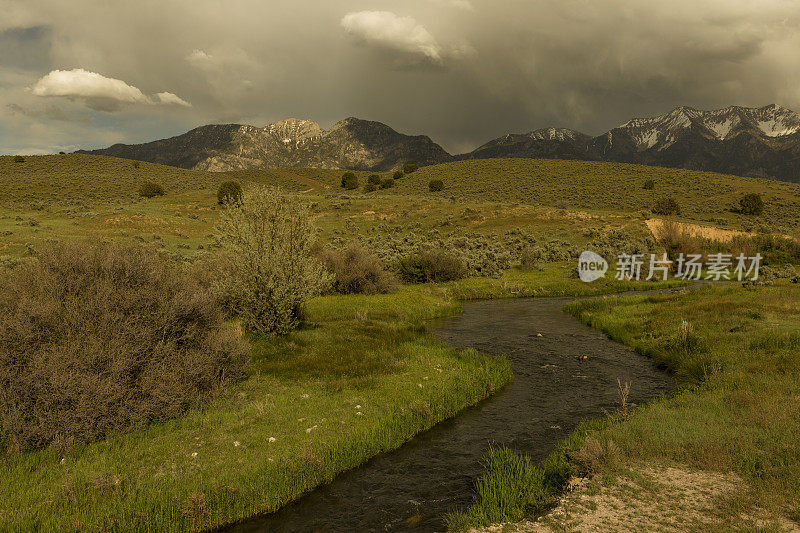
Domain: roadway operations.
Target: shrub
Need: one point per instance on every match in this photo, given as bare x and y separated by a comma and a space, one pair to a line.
649, 185
19, 159
150, 189
268, 271
370, 187
358, 271
751, 204
666, 206
98, 339
387, 183
436, 185
349, 181
676, 239
374, 179
397, 175
410, 168
431, 266
229, 191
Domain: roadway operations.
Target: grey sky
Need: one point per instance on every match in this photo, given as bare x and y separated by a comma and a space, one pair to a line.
461, 71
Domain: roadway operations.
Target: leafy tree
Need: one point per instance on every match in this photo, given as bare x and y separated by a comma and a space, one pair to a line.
666, 206
229, 191
374, 178
751, 204
349, 181
150, 189
436, 185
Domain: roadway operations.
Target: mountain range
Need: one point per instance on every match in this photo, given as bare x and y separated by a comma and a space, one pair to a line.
759, 142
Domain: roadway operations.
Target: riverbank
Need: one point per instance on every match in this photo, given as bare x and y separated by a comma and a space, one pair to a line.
361, 379
735, 354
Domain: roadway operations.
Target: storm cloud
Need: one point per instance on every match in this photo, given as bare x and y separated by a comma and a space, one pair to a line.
461, 71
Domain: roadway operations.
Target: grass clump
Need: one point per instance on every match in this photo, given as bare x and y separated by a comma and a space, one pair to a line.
99, 339
267, 270
357, 271
150, 189
229, 192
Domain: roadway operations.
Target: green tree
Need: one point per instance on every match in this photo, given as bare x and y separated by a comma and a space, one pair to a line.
751, 204
666, 206
229, 191
349, 181
150, 189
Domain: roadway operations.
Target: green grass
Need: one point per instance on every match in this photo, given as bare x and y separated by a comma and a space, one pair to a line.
331, 395
736, 356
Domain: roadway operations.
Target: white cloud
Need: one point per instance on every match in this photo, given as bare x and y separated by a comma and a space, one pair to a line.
97, 91
170, 98
387, 31
79, 83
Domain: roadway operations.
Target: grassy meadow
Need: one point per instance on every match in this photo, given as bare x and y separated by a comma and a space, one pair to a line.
364, 375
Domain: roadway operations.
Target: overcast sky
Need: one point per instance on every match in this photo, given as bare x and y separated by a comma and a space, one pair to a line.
90, 73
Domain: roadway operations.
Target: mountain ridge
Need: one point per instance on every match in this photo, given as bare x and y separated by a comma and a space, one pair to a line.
757, 142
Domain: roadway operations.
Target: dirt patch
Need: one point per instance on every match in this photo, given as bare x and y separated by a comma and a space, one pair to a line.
649, 499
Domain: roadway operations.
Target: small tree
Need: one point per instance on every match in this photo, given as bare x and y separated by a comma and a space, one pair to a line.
751, 204
436, 185
374, 178
349, 181
268, 268
410, 168
666, 206
397, 175
150, 189
229, 191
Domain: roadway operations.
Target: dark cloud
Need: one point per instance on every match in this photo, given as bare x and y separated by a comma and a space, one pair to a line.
460, 71
50, 112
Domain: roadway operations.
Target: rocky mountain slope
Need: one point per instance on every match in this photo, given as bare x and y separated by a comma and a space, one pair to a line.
760, 142
350, 144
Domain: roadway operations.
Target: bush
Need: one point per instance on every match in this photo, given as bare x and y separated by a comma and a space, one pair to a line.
268, 271
431, 266
387, 183
375, 179
676, 239
397, 175
19, 159
229, 192
349, 181
98, 339
751, 204
370, 187
410, 168
357, 271
150, 189
666, 206
436, 185
649, 185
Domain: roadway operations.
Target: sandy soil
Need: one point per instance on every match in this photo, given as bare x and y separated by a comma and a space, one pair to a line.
652, 499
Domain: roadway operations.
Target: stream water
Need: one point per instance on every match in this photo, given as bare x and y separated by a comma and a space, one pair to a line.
412, 488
